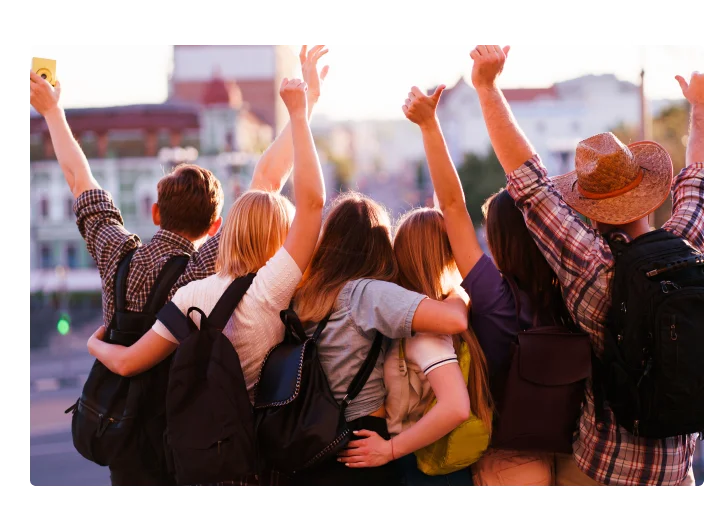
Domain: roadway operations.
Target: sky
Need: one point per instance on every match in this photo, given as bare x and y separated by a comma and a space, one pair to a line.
371, 82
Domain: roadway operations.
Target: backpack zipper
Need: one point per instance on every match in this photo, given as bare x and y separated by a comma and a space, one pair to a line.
103, 424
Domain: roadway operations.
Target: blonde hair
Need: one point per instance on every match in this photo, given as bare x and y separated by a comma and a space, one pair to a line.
355, 243
255, 229
426, 265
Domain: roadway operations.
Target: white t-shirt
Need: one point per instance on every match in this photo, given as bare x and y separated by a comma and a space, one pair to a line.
408, 391
255, 326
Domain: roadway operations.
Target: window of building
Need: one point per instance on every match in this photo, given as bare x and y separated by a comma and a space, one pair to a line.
71, 255
147, 206
44, 207
45, 255
128, 200
69, 209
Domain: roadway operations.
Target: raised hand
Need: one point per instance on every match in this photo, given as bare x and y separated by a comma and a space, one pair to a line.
488, 65
309, 67
293, 93
694, 90
420, 108
42, 96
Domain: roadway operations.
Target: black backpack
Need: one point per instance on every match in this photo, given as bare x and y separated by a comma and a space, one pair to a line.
209, 424
299, 424
118, 417
652, 369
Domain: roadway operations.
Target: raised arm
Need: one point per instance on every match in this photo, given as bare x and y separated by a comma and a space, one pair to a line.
274, 165
688, 186
421, 110
45, 100
308, 185
511, 146
150, 350
694, 93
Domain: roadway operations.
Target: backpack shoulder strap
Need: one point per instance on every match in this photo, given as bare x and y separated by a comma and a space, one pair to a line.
175, 321
224, 308
123, 270
364, 372
293, 324
169, 274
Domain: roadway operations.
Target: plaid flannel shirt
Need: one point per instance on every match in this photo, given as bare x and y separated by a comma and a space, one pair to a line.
584, 265
107, 240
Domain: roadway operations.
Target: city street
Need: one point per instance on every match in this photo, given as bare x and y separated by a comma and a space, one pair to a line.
56, 382
54, 461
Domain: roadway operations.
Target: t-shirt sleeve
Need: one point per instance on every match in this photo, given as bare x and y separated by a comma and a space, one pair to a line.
383, 306
181, 299
430, 351
488, 291
276, 282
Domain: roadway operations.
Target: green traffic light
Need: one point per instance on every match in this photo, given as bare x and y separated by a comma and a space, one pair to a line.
63, 326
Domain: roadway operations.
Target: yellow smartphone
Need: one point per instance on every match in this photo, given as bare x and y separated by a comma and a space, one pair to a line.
45, 68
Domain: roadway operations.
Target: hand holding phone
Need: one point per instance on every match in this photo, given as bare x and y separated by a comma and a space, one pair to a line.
45, 68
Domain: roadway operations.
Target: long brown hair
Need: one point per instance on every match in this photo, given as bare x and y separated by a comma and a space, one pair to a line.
355, 243
426, 265
518, 257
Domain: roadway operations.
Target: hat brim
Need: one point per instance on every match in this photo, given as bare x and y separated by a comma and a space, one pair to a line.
633, 205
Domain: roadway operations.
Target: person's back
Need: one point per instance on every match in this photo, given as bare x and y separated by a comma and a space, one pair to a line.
493, 305
616, 186
350, 279
187, 213
261, 237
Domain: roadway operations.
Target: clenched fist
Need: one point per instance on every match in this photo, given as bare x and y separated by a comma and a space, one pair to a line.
420, 108
488, 65
293, 92
694, 90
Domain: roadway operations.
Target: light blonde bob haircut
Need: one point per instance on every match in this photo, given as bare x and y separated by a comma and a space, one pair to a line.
255, 229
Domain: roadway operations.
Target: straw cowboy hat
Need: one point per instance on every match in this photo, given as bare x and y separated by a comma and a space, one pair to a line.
616, 184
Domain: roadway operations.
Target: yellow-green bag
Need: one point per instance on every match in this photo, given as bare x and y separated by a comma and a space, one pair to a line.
461, 447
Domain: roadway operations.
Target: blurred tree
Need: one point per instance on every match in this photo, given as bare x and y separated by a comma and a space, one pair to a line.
670, 127
344, 172
481, 176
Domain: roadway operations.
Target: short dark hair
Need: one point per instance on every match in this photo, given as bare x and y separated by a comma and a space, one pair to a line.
190, 199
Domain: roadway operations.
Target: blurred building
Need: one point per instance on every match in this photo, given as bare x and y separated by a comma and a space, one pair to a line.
256, 71
221, 113
555, 118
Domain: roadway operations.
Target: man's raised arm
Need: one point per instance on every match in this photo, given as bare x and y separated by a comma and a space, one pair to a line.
511, 146
45, 100
694, 93
274, 166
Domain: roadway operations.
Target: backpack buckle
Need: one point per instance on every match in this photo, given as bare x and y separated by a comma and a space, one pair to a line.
346, 400
666, 285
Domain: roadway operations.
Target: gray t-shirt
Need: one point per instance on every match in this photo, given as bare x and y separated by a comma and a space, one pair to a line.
363, 306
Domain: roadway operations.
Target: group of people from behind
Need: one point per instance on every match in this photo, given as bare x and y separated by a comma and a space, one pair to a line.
450, 313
